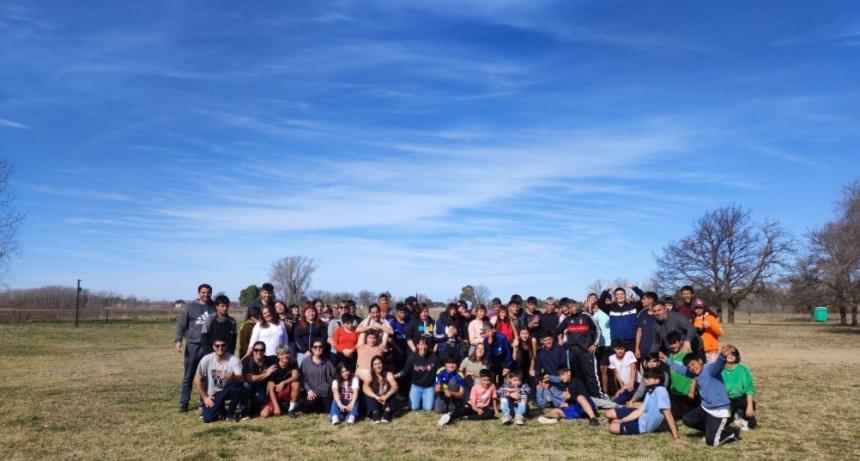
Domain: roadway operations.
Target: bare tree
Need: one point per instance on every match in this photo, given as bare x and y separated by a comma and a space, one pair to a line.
482, 294
10, 218
726, 258
831, 268
366, 298
596, 286
292, 277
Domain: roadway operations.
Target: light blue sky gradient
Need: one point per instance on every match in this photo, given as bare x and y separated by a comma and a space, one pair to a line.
529, 146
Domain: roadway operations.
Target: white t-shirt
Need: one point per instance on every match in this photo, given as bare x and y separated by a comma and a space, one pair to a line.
623, 366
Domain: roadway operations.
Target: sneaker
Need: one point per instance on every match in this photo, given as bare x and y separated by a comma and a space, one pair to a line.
375, 416
350, 420
293, 414
593, 422
183, 408
335, 420
741, 423
244, 417
386, 418
506, 419
519, 420
604, 396
444, 420
545, 420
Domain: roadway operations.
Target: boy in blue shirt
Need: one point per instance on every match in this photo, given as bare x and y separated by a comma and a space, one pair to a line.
450, 386
647, 417
713, 416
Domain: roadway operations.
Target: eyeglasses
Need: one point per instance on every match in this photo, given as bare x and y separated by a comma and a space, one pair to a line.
219, 346
259, 350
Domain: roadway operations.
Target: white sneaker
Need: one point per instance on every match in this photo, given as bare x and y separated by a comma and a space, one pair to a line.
350, 420
506, 419
335, 420
519, 420
742, 424
545, 420
444, 419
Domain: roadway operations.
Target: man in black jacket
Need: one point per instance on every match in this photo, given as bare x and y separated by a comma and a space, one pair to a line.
583, 336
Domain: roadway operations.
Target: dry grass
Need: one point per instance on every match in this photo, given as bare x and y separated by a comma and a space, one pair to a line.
110, 392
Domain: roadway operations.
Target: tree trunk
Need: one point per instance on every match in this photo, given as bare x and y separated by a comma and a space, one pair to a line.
843, 316
731, 311
854, 316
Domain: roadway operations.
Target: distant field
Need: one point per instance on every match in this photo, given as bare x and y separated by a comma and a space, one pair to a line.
110, 391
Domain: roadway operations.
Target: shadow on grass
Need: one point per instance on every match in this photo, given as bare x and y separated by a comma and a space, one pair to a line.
231, 430
844, 330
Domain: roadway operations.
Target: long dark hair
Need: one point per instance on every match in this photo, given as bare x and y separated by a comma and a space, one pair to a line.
377, 380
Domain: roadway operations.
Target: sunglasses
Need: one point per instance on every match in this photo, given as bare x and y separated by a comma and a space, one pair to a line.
219, 346
259, 350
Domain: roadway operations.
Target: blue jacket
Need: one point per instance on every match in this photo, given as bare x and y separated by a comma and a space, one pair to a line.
499, 351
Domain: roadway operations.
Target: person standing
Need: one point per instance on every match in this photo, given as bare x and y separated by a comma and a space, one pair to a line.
190, 327
267, 298
220, 326
583, 336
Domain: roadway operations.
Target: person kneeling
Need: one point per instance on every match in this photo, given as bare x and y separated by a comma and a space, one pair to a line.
223, 372
648, 416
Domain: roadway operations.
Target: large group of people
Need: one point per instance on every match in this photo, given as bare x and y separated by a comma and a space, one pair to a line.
645, 363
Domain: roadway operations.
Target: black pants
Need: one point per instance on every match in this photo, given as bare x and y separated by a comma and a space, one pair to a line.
681, 405
739, 407
717, 430
467, 412
584, 366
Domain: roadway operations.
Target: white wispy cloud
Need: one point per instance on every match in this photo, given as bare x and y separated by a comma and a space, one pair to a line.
13, 124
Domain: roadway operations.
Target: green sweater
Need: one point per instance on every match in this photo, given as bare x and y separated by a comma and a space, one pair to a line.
680, 384
739, 381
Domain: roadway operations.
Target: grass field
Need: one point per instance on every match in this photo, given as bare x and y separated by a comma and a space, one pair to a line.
110, 391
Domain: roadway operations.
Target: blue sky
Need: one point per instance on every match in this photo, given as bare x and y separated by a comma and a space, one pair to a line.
529, 146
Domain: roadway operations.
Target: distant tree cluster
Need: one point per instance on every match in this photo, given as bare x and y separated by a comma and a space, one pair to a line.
60, 297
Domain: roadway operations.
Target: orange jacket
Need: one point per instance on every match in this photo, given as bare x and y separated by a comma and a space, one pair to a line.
710, 334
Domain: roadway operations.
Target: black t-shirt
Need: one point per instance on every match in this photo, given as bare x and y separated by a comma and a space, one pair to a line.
249, 367
282, 374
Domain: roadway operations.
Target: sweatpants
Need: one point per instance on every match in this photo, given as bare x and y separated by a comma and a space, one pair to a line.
717, 430
584, 366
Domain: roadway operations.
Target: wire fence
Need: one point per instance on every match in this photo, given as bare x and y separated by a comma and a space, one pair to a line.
105, 315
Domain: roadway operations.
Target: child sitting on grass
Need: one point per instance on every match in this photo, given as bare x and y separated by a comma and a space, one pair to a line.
648, 416
577, 402
450, 386
482, 401
739, 386
514, 397
624, 367
549, 395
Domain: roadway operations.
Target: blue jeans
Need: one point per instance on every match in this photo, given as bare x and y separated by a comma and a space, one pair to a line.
508, 406
342, 415
421, 397
193, 354
231, 392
